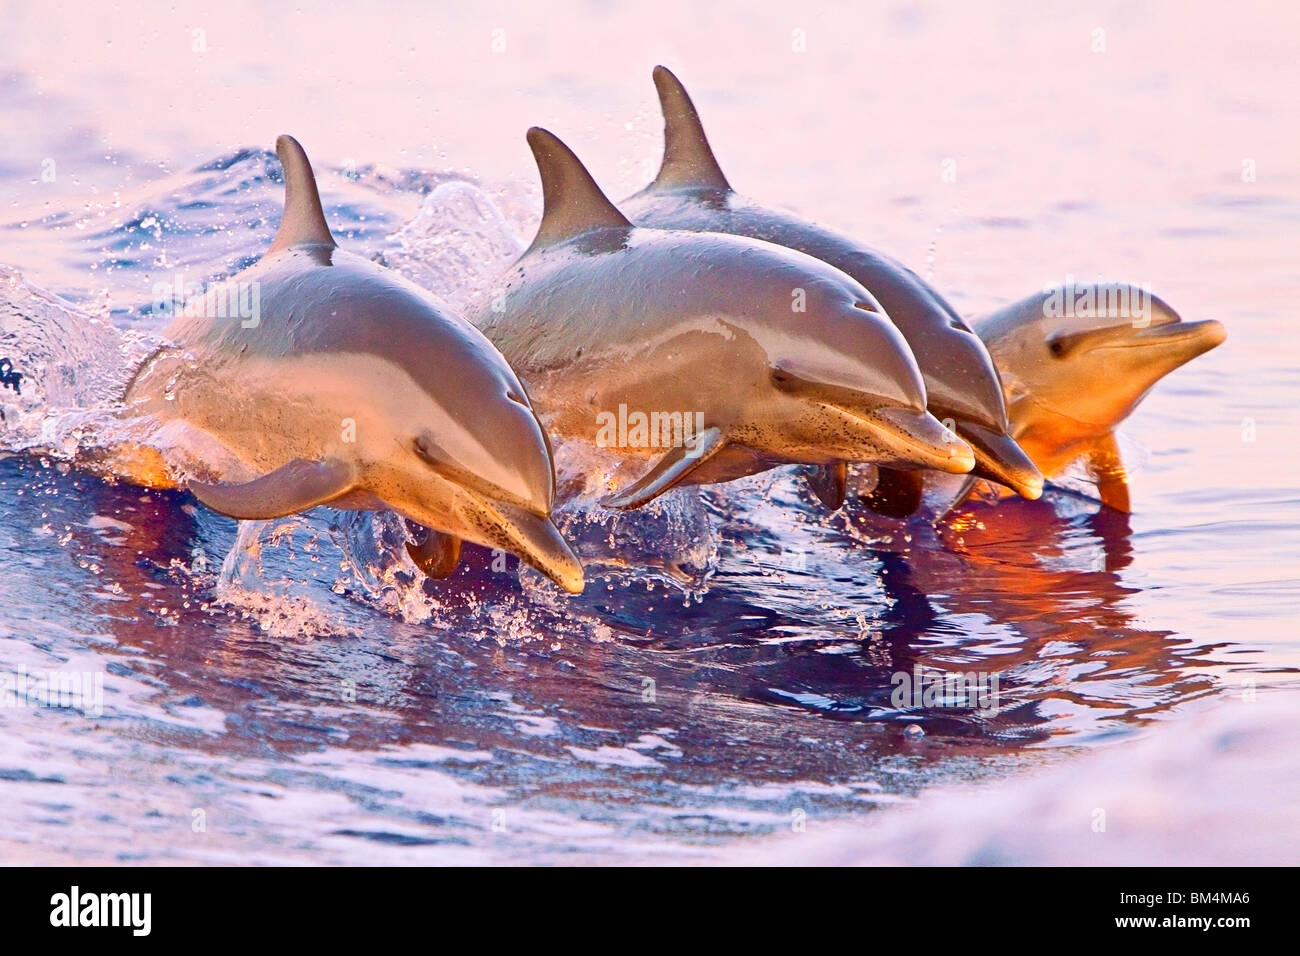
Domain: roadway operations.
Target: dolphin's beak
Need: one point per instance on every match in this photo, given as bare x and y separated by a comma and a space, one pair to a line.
1180, 342
919, 440
534, 538
999, 458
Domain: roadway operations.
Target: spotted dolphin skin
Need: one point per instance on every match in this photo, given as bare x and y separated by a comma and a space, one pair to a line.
1073, 374
351, 388
691, 193
777, 356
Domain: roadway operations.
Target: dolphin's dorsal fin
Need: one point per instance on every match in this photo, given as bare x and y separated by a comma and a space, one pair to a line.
572, 203
303, 221
688, 160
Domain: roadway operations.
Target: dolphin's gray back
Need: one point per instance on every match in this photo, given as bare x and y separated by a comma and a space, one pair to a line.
925, 318
614, 291
1008, 319
322, 300
907, 298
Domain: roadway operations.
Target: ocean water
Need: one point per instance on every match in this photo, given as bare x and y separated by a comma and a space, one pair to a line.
291, 692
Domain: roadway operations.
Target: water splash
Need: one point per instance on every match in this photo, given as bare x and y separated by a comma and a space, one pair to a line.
457, 244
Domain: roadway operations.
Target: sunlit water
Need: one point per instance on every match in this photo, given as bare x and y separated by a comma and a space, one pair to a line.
297, 691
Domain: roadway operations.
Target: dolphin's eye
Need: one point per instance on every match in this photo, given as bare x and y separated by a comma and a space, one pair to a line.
784, 380
1057, 347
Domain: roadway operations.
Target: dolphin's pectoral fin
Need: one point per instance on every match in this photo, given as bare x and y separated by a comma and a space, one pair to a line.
897, 493
829, 483
964, 492
434, 553
1106, 467
291, 488
669, 470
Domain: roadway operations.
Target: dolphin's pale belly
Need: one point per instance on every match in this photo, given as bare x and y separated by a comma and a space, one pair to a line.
1054, 441
680, 375
233, 420
640, 402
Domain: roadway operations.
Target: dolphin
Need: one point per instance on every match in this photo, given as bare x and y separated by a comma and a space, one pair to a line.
1072, 374
691, 193
352, 388
766, 356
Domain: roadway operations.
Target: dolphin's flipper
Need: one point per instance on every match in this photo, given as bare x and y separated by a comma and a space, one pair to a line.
303, 221
572, 203
829, 483
688, 160
897, 493
964, 492
1106, 467
297, 486
668, 471
434, 553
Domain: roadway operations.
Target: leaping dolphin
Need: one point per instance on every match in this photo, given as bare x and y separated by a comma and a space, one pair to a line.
778, 356
691, 193
1071, 378
353, 388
